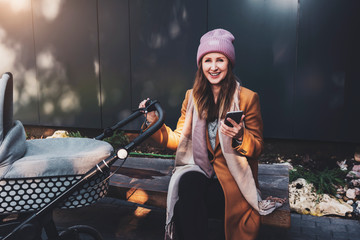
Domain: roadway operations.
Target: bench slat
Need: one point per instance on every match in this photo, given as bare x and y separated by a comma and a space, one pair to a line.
145, 181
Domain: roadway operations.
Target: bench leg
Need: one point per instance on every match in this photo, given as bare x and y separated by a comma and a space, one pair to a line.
50, 228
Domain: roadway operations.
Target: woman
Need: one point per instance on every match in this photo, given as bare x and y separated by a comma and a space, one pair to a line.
216, 168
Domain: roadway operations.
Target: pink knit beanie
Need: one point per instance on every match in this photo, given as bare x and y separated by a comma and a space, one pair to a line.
218, 40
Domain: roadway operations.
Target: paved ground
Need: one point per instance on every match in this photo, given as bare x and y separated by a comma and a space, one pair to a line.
306, 227
116, 219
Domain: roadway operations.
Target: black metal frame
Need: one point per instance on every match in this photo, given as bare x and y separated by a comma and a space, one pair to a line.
43, 217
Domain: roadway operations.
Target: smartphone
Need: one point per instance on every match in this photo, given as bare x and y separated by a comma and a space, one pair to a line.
234, 115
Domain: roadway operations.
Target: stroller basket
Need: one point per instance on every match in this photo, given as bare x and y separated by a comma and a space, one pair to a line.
31, 194
39, 175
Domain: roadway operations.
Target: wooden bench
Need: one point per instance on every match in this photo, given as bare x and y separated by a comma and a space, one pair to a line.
145, 181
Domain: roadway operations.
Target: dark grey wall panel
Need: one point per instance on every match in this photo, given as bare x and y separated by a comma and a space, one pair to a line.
114, 60
265, 45
17, 56
326, 94
67, 62
87, 63
164, 41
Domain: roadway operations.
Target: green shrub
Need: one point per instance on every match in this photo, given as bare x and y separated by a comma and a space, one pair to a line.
118, 139
324, 181
76, 134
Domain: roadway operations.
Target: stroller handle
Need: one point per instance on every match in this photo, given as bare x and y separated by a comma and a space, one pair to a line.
123, 152
152, 129
151, 105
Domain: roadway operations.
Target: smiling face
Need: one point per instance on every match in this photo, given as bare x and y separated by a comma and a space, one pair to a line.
215, 67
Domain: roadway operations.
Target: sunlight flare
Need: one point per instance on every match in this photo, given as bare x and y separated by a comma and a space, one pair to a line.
50, 9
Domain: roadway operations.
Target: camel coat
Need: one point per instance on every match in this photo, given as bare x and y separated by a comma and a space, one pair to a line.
241, 220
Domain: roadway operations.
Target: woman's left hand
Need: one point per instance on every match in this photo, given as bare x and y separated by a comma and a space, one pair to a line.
236, 131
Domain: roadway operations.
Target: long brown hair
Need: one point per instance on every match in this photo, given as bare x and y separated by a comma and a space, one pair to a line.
204, 97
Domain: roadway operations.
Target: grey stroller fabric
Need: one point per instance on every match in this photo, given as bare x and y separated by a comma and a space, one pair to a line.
59, 157
12, 147
12, 134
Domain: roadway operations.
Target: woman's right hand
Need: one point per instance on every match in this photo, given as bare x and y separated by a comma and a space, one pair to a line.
150, 116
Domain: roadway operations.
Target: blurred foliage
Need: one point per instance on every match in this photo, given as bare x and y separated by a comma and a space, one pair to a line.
76, 134
118, 139
325, 181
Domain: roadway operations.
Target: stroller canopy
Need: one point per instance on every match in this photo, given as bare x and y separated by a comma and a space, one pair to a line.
12, 134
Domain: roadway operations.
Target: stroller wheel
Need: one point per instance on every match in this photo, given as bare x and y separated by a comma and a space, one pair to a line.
80, 232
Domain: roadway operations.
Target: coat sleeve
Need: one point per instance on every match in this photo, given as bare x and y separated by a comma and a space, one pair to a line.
168, 138
252, 144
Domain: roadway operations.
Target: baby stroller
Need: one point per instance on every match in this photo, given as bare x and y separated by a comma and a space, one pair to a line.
37, 176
